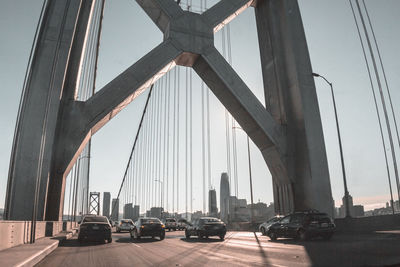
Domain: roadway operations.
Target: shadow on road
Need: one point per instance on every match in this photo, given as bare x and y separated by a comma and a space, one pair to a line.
75, 243
351, 249
141, 240
202, 240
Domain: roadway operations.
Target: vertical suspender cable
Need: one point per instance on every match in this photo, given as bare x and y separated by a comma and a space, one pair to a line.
203, 143
382, 99
134, 145
168, 89
384, 73
186, 140
163, 82
173, 146
177, 137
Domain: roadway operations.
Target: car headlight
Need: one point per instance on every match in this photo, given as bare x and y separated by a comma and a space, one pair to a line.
162, 226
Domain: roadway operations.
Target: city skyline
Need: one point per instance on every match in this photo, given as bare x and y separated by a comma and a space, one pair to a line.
328, 55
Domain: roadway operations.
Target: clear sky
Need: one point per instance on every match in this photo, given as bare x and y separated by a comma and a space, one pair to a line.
335, 53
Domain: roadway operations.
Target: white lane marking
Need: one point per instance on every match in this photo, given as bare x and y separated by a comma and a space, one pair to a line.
136, 245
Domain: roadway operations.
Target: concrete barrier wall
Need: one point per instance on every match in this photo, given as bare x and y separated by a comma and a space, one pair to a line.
14, 233
368, 224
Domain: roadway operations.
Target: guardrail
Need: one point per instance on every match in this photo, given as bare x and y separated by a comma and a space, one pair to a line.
14, 233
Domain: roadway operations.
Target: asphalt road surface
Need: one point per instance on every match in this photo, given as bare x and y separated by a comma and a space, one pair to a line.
238, 249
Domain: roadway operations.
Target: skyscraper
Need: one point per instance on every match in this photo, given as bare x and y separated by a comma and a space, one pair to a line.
224, 197
106, 204
114, 209
212, 203
128, 211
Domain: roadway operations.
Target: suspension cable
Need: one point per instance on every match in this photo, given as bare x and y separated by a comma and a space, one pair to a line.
134, 145
375, 100
384, 73
382, 99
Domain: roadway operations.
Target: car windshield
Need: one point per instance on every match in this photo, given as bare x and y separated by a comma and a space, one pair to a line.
319, 217
275, 219
150, 220
209, 220
170, 220
95, 219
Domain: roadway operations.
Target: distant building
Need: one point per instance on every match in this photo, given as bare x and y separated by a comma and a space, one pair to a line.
212, 203
136, 210
355, 210
106, 204
262, 212
224, 197
115, 209
156, 212
342, 209
238, 211
128, 211
358, 211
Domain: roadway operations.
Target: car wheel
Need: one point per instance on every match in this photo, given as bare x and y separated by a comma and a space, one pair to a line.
302, 235
162, 236
263, 231
187, 235
273, 236
222, 237
109, 240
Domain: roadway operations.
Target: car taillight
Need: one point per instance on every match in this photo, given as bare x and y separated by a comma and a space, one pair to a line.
107, 227
142, 226
162, 226
83, 226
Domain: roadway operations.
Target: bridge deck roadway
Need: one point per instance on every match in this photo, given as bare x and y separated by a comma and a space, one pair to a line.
238, 249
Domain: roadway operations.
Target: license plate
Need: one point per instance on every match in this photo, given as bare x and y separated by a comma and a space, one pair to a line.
95, 228
324, 225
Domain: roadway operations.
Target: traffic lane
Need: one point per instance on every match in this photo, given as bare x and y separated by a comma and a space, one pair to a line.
175, 250
238, 249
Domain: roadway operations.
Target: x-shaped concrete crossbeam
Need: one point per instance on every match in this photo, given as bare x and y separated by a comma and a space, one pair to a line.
189, 41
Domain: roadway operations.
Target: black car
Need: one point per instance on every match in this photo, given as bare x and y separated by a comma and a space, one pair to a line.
148, 227
94, 227
205, 227
303, 225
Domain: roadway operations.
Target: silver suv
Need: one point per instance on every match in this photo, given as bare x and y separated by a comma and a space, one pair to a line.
170, 224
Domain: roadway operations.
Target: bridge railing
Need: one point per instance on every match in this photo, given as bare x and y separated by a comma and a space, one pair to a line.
14, 233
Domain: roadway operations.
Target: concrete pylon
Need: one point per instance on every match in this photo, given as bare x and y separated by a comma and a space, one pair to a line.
300, 182
291, 100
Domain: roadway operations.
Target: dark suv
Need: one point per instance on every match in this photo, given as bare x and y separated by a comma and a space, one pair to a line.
205, 227
148, 227
94, 227
303, 225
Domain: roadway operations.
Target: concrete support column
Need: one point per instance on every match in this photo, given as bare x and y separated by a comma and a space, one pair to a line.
291, 99
35, 132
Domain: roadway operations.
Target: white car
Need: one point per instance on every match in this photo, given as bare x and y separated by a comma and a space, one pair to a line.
124, 225
264, 226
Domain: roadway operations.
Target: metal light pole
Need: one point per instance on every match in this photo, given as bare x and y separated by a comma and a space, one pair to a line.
346, 192
251, 178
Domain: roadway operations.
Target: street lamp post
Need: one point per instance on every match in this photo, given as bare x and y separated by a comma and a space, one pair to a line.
346, 191
251, 179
